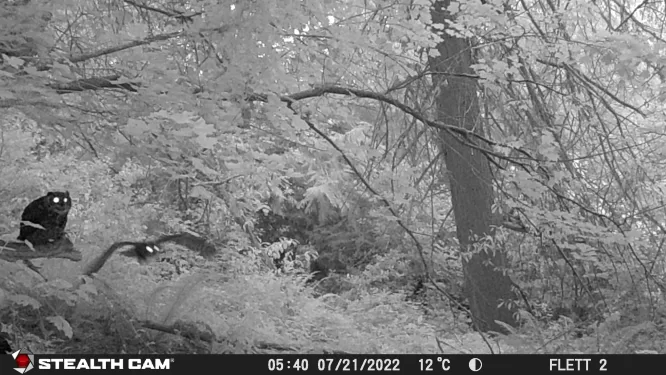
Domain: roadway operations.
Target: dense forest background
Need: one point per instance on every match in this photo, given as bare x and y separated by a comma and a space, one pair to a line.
388, 176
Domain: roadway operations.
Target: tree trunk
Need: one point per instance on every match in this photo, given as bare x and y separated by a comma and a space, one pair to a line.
470, 182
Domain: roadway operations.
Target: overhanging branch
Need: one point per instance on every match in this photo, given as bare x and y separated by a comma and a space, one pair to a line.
467, 137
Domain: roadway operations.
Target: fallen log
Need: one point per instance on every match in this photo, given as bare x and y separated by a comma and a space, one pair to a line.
13, 251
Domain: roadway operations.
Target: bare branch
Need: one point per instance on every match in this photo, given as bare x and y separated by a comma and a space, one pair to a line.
174, 14
467, 136
132, 44
94, 83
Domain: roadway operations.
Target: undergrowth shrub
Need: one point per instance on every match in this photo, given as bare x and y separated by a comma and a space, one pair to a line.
365, 307
237, 298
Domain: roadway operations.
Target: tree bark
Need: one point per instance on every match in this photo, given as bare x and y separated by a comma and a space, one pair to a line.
470, 181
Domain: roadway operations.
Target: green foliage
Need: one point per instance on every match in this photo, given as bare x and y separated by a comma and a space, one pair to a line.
232, 298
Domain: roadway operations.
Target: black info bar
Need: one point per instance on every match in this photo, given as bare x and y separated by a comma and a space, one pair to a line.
514, 364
